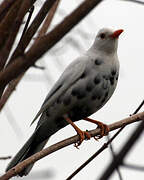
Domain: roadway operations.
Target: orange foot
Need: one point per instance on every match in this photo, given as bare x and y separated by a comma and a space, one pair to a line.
103, 127
82, 134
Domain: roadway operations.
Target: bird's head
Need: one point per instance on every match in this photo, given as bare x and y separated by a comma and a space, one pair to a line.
107, 40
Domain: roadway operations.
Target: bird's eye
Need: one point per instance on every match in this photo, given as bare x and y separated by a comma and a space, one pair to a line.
102, 35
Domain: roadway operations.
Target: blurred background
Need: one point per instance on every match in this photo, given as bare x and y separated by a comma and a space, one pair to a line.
29, 95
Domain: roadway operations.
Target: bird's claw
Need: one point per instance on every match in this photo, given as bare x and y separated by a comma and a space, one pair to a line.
83, 135
104, 131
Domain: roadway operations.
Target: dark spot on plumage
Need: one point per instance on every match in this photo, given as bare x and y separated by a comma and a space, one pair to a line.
117, 77
89, 86
97, 79
105, 84
47, 113
106, 95
83, 75
112, 80
106, 77
67, 100
79, 112
96, 95
58, 100
113, 72
103, 100
74, 91
79, 93
98, 62
60, 122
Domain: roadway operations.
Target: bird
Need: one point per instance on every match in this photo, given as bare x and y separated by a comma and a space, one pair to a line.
83, 88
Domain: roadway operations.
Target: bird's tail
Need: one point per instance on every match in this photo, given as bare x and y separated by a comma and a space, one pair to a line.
26, 151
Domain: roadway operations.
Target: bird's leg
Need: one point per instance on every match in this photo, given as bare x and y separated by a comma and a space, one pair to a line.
103, 127
81, 133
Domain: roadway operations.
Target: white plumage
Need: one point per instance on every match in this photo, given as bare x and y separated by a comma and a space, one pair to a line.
82, 89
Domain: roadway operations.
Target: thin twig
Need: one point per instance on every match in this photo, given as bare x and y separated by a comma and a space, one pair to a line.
139, 107
12, 85
5, 29
10, 36
4, 8
5, 157
5, 51
24, 42
109, 140
19, 167
48, 20
31, 10
123, 152
133, 167
125, 149
135, 1
111, 148
8, 92
105, 145
114, 157
46, 42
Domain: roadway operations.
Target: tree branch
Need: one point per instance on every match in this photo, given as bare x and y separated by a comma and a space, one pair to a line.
48, 20
9, 90
23, 9
19, 51
5, 29
46, 42
133, 167
4, 8
12, 85
105, 145
123, 152
113, 155
5, 157
135, 1
18, 168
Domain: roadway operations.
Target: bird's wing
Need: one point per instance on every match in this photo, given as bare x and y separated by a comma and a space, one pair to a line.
71, 74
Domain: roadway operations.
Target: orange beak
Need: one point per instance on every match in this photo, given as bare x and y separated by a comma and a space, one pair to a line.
116, 34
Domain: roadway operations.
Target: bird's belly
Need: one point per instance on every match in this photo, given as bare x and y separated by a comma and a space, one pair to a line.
92, 102
78, 103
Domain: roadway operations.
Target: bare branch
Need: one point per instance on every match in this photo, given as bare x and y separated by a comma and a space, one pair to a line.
25, 6
133, 167
9, 90
105, 145
18, 168
123, 152
12, 85
111, 148
4, 8
5, 157
31, 10
4, 27
19, 51
46, 42
114, 157
135, 1
102, 148
48, 20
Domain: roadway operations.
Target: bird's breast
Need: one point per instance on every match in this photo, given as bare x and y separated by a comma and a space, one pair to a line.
89, 95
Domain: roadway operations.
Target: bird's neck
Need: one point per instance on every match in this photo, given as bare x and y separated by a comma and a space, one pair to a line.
95, 52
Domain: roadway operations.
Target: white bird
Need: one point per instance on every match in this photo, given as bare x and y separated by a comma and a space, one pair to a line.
82, 89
